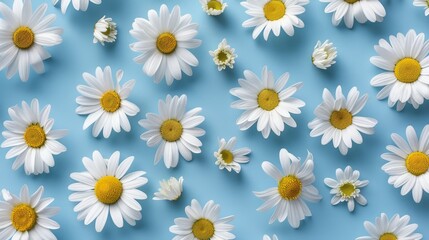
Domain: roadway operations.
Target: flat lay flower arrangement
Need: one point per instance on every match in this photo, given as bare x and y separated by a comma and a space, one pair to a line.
214, 119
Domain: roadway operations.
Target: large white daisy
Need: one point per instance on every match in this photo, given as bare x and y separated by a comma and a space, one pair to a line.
294, 186
163, 41
422, 3
23, 36
106, 188
266, 102
79, 5
174, 130
230, 159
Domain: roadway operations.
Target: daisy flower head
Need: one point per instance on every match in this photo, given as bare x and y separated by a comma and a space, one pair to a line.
105, 31
422, 3
106, 188
31, 138
224, 56
170, 189
294, 185
24, 34
174, 129
163, 41
267, 102
105, 102
213, 7
79, 5
273, 15
266, 237
406, 64
230, 159
391, 229
27, 216
347, 188
203, 223
324, 55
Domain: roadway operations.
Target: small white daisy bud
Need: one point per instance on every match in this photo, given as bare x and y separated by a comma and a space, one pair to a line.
213, 7
105, 31
324, 55
170, 189
224, 56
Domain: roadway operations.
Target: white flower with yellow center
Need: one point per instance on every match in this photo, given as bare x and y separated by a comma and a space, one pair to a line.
174, 129
324, 55
105, 31
406, 62
30, 136
105, 102
170, 189
336, 119
224, 56
408, 163
106, 188
230, 159
274, 15
163, 41
266, 237
203, 223
266, 102
347, 188
79, 5
24, 34
294, 186
396, 228
213, 7
422, 3
27, 216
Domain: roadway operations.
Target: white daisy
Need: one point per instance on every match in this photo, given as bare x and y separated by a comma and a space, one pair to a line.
79, 5
170, 189
324, 55
361, 10
266, 237
347, 188
105, 31
163, 41
274, 15
422, 3
24, 34
336, 119
224, 56
408, 163
106, 188
30, 136
294, 186
213, 7
27, 216
396, 228
174, 130
406, 62
105, 102
203, 223
267, 102
230, 159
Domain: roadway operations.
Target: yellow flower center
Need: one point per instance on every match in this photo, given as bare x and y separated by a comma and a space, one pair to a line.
227, 156
108, 190
171, 130
166, 43
341, 119
388, 236
203, 229
214, 4
35, 136
347, 189
23, 37
407, 70
268, 99
290, 187
274, 10
107, 32
417, 163
351, 1
222, 56
23, 217
110, 101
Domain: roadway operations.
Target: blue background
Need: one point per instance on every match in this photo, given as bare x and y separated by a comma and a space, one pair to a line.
208, 89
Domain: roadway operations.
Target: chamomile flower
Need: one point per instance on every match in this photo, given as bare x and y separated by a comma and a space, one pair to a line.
27, 216
273, 15
336, 119
294, 186
230, 159
324, 55
163, 41
203, 223
79, 5
171, 189
408, 162
391, 229
31, 138
422, 3
347, 188
105, 102
224, 56
406, 62
105, 31
213, 7
24, 34
174, 129
106, 188
266, 102
266, 237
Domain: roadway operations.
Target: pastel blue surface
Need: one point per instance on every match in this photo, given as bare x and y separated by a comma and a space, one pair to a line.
209, 89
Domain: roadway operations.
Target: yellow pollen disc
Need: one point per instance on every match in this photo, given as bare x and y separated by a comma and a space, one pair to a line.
214, 4
347, 189
290, 187
107, 32
274, 10
222, 56
108, 190
166, 43
203, 229
110, 101
23, 37
341, 119
388, 236
35, 136
351, 1
407, 70
417, 163
227, 156
171, 130
23, 217
268, 99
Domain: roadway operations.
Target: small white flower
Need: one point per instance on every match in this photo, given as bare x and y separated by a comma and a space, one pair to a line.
223, 56
79, 5
105, 31
171, 189
324, 54
231, 159
266, 237
213, 7
424, 4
